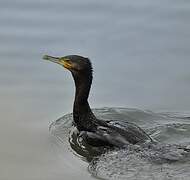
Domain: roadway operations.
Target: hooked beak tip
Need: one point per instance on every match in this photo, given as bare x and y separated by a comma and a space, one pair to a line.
45, 57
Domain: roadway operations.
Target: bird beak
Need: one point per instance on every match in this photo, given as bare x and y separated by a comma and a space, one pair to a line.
51, 58
59, 60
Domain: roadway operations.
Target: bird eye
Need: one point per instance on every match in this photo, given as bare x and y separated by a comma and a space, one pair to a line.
68, 61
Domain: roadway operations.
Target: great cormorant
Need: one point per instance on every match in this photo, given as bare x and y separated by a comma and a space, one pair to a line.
94, 131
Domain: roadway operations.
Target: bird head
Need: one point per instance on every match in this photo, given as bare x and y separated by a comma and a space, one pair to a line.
74, 63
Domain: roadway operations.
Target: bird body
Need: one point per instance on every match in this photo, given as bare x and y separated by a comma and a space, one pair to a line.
94, 131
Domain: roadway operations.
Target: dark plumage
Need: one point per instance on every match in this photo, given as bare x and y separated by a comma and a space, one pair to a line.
94, 131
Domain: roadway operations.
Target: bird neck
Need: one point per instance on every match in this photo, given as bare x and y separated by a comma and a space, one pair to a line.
81, 109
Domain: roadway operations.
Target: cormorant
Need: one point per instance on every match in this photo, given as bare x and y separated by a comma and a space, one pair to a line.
94, 131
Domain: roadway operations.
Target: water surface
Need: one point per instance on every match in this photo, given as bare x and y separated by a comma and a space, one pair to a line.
140, 51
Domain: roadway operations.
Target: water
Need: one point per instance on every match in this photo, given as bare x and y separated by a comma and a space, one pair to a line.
140, 52
166, 159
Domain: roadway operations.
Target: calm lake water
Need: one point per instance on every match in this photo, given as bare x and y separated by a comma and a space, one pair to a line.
140, 51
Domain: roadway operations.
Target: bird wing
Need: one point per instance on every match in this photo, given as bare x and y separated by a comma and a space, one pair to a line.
133, 133
103, 137
122, 133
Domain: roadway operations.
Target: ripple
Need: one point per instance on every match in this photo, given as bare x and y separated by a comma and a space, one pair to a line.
131, 164
149, 161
